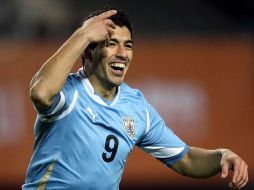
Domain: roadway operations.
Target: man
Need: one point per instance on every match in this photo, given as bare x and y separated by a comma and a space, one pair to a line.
88, 122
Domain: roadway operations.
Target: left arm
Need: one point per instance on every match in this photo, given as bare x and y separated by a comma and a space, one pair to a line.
202, 163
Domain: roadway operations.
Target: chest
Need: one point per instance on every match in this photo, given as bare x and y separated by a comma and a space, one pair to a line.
126, 121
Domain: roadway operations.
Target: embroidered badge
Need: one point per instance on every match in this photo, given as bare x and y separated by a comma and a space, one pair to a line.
129, 126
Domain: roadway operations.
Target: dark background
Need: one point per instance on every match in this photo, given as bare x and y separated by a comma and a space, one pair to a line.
51, 19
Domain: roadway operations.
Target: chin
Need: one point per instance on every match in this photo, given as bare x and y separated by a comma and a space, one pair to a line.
118, 83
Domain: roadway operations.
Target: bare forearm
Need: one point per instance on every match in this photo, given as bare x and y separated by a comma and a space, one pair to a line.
200, 163
49, 80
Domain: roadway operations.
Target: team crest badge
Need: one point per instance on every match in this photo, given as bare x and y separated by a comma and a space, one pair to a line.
129, 126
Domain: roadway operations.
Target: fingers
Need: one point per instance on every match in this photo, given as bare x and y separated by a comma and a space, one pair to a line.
241, 173
240, 176
107, 14
243, 182
99, 28
225, 169
246, 179
110, 24
231, 161
237, 170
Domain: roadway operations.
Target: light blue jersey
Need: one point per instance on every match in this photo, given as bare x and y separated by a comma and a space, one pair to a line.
83, 141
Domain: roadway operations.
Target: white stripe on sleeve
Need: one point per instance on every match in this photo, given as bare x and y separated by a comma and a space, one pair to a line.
65, 113
147, 122
60, 103
162, 152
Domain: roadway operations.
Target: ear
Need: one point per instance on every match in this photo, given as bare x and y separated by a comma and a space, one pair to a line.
87, 54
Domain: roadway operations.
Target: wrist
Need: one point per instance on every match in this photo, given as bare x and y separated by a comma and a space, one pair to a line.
222, 151
81, 37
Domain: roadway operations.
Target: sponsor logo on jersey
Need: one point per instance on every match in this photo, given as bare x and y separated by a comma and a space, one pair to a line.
129, 126
92, 113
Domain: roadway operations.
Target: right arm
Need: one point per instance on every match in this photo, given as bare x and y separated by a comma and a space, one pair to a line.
50, 78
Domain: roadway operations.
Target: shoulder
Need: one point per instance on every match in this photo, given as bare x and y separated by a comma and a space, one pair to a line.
127, 90
73, 80
133, 95
137, 96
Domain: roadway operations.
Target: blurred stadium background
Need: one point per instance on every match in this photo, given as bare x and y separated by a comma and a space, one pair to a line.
193, 60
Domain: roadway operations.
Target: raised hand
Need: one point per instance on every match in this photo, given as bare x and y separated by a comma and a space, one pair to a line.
99, 28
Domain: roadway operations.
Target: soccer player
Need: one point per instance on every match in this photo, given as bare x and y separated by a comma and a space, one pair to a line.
88, 122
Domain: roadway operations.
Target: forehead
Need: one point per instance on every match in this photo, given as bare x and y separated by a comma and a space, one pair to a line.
121, 34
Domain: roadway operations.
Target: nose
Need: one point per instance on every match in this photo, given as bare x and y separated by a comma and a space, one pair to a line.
121, 51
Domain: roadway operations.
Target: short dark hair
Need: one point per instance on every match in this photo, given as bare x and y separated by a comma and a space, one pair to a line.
119, 19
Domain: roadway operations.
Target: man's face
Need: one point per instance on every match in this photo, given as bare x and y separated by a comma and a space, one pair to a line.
111, 59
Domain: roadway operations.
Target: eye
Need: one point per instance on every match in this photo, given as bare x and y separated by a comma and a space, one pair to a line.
111, 43
128, 46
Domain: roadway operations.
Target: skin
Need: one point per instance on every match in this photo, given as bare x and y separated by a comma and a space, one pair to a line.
49, 80
117, 50
210, 163
115, 47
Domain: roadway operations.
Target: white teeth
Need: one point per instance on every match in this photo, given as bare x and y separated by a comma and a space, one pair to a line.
120, 65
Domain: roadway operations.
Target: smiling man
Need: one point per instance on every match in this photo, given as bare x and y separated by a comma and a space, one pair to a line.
107, 63
88, 122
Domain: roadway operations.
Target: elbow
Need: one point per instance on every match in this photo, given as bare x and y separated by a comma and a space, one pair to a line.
40, 97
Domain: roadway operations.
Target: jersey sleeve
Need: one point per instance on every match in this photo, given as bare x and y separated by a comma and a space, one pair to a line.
62, 102
160, 141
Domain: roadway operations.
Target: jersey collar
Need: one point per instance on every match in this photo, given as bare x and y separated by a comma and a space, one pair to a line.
91, 92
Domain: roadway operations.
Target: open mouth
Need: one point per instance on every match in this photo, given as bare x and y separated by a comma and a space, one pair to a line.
117, 66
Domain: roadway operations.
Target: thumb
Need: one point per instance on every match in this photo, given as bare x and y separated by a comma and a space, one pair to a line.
225, 168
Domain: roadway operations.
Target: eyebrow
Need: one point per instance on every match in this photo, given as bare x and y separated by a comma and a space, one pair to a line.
115, 40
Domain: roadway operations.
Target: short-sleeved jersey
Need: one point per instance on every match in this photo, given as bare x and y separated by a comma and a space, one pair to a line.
83, 141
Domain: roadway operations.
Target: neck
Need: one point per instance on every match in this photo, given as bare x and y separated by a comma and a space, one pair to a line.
102, 88
105, 91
